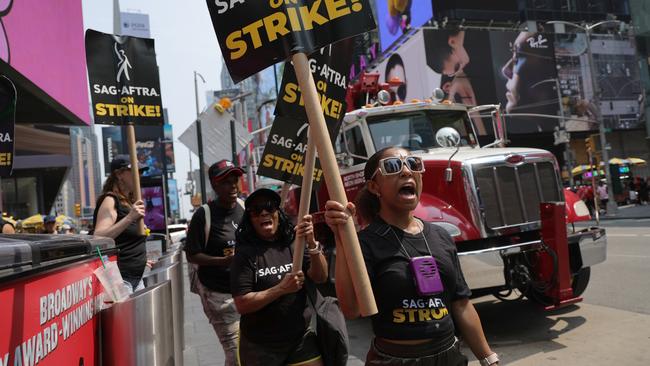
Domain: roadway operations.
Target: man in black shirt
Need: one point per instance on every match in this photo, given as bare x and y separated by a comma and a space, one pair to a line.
214, 254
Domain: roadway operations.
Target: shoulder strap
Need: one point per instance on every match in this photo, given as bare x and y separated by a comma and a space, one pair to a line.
208, 216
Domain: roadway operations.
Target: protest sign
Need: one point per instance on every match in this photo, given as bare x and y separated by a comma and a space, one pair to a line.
7, 125
254, 35
287, 143
257, 34
124, 82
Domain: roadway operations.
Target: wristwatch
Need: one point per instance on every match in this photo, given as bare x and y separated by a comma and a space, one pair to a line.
489, 360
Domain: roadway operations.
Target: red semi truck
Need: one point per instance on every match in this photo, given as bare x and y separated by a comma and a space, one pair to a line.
504, 206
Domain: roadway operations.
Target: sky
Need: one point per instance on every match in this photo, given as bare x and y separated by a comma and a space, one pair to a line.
185, 42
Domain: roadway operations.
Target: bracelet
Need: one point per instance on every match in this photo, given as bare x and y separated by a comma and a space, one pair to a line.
316, 250
489, 360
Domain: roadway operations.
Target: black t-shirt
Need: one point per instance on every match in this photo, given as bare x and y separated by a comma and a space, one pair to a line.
132, 250
403, 314
223, 224
258, 268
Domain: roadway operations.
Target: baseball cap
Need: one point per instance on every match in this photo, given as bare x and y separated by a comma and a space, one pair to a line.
263, 192
123, 161
49, 218
222, 169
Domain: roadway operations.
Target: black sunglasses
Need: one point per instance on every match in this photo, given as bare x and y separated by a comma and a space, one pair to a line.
394, 165
268, 206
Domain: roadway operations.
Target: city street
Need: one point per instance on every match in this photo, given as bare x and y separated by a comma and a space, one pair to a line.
609, 327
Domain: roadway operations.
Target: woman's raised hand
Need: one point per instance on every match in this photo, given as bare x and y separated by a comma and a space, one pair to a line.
336, 214
305, 229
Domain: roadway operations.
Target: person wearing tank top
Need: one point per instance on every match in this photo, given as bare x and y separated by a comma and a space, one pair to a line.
116, 216
417, 314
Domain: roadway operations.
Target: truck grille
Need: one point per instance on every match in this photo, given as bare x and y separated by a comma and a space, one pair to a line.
511, 196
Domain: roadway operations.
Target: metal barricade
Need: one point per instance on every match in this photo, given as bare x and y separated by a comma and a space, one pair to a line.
173, 273
139, 331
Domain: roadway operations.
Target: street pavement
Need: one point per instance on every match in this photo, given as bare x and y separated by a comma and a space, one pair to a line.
609, 327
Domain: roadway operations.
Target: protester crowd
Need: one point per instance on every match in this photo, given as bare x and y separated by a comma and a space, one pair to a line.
241, 256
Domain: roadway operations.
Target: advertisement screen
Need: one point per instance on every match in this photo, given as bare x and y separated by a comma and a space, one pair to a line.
172, 186
394, 17
524, 68
154, 216
44, 41
169, 148
147, 142
113, 145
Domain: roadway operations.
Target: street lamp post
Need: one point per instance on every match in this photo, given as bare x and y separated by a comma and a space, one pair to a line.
612, 208
562, 126
199, 138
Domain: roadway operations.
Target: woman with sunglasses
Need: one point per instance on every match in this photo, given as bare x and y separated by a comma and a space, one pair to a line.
415, 323
268, 292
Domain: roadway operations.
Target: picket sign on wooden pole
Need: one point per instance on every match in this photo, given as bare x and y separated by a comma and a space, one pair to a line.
305, 198
318, 130
133, 156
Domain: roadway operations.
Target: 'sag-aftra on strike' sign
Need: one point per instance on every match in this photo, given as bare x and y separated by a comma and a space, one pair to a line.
124, 82
254, 34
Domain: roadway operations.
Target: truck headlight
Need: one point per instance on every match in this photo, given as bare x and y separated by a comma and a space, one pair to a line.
452, 229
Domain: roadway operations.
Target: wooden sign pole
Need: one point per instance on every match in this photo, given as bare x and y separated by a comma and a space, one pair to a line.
133, 156
318, 129
305, 198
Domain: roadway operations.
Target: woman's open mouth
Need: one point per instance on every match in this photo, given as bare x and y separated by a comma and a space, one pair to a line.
267, 224
407, 191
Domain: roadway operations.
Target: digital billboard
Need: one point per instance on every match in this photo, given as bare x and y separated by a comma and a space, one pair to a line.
154, 207
394, 17
44, 41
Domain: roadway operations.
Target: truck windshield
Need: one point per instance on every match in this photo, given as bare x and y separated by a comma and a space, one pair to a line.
417, 130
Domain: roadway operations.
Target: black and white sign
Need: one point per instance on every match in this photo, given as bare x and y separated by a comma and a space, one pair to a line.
285, 148
124, 82
256, 34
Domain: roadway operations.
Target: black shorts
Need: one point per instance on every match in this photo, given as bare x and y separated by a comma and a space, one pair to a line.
386, 354
300, 352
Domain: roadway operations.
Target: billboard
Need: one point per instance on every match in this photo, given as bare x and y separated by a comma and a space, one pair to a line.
44, 41
154, 207
172, 187
113, 144
396, 17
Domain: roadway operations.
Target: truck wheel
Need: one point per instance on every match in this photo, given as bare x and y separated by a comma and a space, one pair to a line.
579, 284
580, 281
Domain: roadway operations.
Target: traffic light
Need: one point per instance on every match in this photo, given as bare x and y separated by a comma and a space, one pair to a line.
77, 209
589, 144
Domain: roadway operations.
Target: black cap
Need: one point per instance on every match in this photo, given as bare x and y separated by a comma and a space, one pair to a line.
264, 192
123, 161
48, 219
222, 169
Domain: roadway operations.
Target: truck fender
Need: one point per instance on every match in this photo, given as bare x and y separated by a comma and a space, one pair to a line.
576, 209
435, 210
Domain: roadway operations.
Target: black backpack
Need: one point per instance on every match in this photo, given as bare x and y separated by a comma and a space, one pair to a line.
331, 331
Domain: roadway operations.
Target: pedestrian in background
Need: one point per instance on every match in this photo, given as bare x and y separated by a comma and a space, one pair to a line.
49, 225
267, 289
7, 227
418, 315
643, 191
116, 216
213, 254
602, 195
